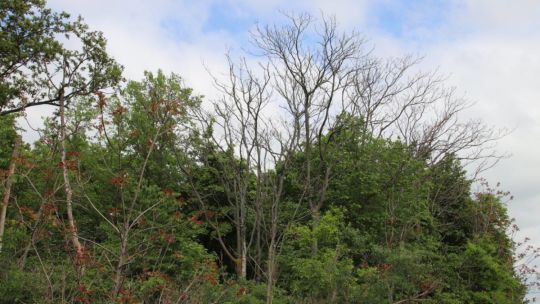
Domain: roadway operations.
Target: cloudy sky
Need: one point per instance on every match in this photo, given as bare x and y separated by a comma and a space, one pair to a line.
490, 50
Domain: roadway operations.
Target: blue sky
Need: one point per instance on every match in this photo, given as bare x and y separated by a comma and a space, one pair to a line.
488, 48
394, 18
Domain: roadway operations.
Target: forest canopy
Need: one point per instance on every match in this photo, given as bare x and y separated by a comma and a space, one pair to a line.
322, 174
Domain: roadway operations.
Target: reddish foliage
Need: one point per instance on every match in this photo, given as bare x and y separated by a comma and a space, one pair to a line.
180, 201
49, 208
23, 161
85, 291
163, 236
118, 180
427, 285
184, 296
74, 154
154, 105
119, 111
102, 102
114, 212
364, 264
48, 193
195, 220
81, 299
126, 297
69, 164
211, 273
241, 291
29, 212
210, 278
383, 267
82, 257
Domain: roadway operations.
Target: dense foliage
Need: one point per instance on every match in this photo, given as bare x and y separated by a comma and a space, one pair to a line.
166, 214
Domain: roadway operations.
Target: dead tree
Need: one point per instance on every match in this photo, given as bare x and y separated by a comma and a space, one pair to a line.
399, 102
254, 141
241, 131
310, 78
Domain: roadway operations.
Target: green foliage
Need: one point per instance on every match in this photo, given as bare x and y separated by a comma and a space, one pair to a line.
7, 140
18, 286
391, 227
31, 49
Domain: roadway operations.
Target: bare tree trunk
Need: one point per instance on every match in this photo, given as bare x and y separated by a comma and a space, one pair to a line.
270, 272
7, 189
241, 245
243, 235
243, 260
67, 186
119, 276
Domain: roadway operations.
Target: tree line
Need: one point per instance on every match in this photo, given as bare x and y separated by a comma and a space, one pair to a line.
322, 174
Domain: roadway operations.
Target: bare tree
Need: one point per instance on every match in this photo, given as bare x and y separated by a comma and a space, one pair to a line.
311, 75
241, 132
253, 142
399, 102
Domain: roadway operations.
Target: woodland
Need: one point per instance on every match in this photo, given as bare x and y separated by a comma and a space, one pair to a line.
322, 174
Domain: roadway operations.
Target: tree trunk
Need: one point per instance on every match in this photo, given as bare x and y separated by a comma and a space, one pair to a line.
315, 218
67, 186
270, 273
241, 257
7, 188
243, 260
119, 276
241, 265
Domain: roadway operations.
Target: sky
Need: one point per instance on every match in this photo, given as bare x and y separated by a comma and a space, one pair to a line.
488, 49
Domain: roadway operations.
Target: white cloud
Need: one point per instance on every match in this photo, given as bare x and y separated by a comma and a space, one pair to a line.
495, 61
500, 17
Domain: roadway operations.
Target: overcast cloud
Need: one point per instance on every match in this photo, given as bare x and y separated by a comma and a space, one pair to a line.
489, 48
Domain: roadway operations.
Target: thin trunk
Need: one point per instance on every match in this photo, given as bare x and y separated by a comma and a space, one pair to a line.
258, 274
119, 276
241, 242
240, 258
7, 188
315, 217
270, 274
274, 243
67, 186
308, 182
243, 260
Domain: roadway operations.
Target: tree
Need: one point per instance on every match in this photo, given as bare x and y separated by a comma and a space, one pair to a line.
35, 66
7, 182
39, 70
